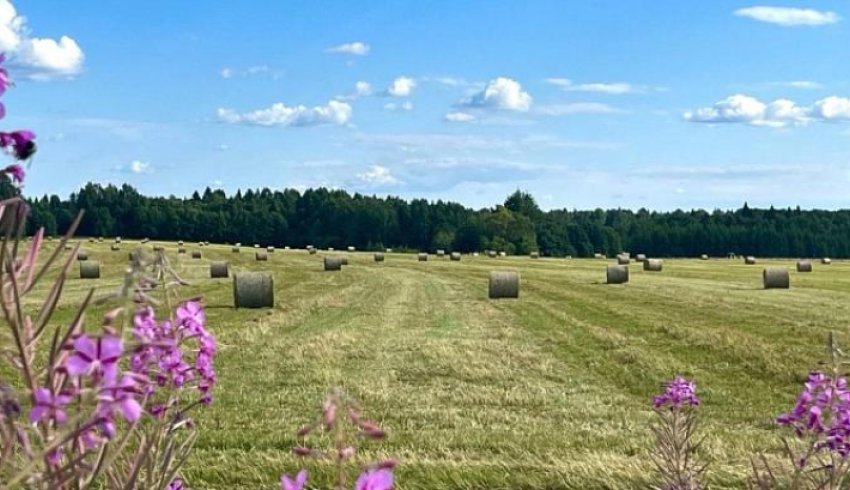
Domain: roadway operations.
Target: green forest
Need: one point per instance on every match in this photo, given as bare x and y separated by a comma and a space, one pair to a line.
335, 218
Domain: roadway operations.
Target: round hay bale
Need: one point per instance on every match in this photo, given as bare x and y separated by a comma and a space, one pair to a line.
200, 244
441, 253
826, 261
333, 263
118, 239
504, 284
475, 254
312, 251
261, 256
82, 255
653, 265
750, 260
455, 256
598, 256
180, 243
196, 254
330, 249
286, 248
91, 240
776, 278
491, 254
100, 239
351, 249
379, 257
389, 250
639, 257
503, 254
237, 244
181, 250
234, 250
804, 266
617, 274
423, 257
623, 260
89, 269
270, 249
703, 257
219, 269
145, 240
114, 247
68, 246
253, 290
535, 255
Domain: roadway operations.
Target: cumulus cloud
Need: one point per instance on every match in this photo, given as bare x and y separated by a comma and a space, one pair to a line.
140, 167
404, 106
459, 117
401, 87
501, 93
38, 58
361, 89
745, 109
279, 114
378, 175
788, 16
357, 48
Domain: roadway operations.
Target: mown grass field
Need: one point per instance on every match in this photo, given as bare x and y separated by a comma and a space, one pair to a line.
550, 391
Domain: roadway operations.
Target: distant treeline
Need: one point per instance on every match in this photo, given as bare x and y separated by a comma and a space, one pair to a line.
335, 218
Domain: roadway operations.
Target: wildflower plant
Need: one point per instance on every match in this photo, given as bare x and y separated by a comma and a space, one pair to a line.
340, 427
675, 453
818, 454
93, 406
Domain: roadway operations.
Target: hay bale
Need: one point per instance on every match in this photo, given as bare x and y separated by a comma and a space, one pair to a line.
503, 254
68, 246
181, 250
475, 254
196, 254
286, 248
455, 256
330, 249
504, 284
89, 269
703, 257
776, 278
535, 255
351, 249
118, 239
82, 255
804, 266
441, 253
423, 257
491, 254
653, 265
180, 243
91, 240
145, 240
333, 263
639, 257
312, 251
114, 247
623, 259
379, 257
617, 274
237, 244
100, 239
218, 269
261, 256
598, 256
253, 290
270, 249
256, 245
750, 260
826, 261
234, 249
389, 250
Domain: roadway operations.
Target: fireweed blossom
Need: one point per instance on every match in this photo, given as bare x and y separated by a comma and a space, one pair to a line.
20, 144
678, 393
295, 483
97, 358
48, 406
381, 479
822, 412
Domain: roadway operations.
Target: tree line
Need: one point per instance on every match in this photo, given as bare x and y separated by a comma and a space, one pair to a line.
335, 218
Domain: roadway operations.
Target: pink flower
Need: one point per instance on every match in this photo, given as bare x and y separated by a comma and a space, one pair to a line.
48, 406
121, 397
375, 480
97, 357
21, 142
16, 172
297, 483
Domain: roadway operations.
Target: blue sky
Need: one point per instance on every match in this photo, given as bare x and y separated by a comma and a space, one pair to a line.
603, 103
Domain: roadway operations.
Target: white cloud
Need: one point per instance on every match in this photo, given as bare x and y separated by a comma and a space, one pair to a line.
789, 16
801, 84
459, 117
39, 58
378, 175
227, 73
362, 88
404, 106
356, 48
611, 88
577, 108
139, 167
501, 93
401, 87
216, 184
745, 109
279, 114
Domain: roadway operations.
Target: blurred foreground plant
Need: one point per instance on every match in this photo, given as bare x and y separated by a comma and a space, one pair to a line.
675, 454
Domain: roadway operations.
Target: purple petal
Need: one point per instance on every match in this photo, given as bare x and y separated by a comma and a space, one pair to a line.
37, 413
84, 346
130, 409
111, 348
77, 366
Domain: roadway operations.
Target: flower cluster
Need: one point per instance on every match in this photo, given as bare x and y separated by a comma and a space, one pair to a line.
20, 144
173, 353
679, 393
371, 479
822, 411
